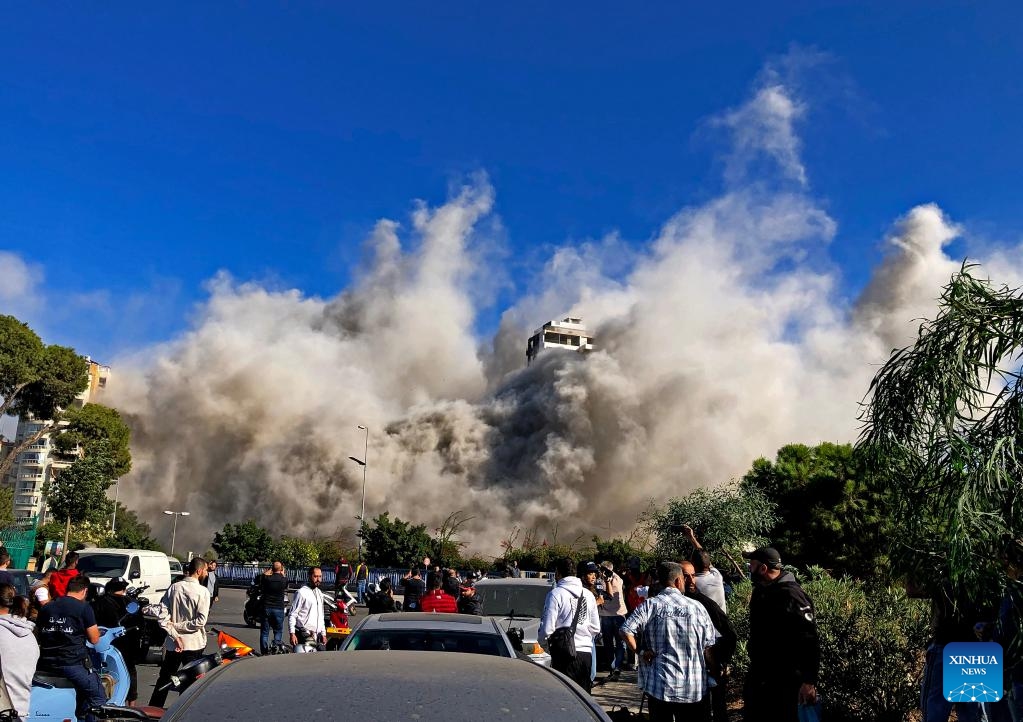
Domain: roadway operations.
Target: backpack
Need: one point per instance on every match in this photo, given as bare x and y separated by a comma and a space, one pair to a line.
561, 641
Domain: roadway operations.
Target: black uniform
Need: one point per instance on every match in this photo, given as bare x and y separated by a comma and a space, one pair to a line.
414, 591
724, 648
470, 605
783, 648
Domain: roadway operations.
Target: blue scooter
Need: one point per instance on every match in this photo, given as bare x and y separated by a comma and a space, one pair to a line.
53, 698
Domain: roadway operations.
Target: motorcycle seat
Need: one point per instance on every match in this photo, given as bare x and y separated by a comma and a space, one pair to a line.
51, 680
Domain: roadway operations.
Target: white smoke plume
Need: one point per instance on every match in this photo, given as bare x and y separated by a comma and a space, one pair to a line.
720, 341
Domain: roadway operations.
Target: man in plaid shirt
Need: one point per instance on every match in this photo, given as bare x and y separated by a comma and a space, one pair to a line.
672, 636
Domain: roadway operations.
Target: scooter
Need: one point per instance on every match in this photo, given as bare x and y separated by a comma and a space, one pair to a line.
54, 698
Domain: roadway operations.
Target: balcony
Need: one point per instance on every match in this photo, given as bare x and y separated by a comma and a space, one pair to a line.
31, 475
33, 459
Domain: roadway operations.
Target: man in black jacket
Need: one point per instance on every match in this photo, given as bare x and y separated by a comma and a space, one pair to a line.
110, 609
724, 648
414, 590
469, 601
783, 646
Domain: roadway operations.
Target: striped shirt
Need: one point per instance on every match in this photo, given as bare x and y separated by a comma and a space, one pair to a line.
677, 630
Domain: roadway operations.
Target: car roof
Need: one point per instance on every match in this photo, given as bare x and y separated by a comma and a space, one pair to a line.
101, 550
385, 685
427, 620
512, 582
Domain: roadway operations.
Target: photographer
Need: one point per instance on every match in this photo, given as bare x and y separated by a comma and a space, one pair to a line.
612, 616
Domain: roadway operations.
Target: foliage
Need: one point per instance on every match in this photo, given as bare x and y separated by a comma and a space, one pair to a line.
342, 545
36, 380
295, 552
83, 534
79, 492
245, 542
829, 512
131, 532
447, 549
477, 562
92, 424
539, 554
871, 646
942, 432
619, 552
396, 543
725, 520
6, 506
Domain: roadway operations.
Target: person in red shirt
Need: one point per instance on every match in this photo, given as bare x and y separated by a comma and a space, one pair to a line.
59, 579
437, 601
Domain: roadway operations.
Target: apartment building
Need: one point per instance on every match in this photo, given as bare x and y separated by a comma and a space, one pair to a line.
35, 466
569, 333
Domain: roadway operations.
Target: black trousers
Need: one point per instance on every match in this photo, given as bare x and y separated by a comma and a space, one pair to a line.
661, 711
172, 661
578, 669
770, 700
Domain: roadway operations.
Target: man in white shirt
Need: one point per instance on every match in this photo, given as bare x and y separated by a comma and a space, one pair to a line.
560, 609
306, 616
188, 603
708, 579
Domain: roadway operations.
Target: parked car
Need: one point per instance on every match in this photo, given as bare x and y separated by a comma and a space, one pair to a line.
176, 570
517, 603
416, 631
23, 580
377, 685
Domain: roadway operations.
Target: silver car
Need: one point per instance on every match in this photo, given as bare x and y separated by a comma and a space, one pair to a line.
425, 632
518, 603
424, 686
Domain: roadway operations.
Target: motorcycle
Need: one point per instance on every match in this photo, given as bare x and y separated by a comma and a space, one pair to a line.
151, 636
53, 697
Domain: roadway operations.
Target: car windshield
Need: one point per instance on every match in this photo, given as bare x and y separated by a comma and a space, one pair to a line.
505, 600
428, 640
103, 565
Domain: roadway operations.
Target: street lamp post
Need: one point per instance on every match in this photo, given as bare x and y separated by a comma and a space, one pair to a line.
362, 462
174, 533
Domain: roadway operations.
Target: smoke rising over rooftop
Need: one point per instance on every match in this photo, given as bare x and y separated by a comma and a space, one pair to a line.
720, 341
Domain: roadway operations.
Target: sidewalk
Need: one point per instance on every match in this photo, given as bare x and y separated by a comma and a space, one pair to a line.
623, 693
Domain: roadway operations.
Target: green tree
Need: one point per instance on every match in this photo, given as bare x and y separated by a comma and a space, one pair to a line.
79, 492
396, 543
943, 433
619, 552
94, 423
36, 380
132, 532
245, 542
295, 552
726, 519
828, 512
6, 506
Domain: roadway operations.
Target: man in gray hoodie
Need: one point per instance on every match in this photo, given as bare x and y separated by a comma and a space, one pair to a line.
19, 651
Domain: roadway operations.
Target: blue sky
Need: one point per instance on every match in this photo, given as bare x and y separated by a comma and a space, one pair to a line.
144, 149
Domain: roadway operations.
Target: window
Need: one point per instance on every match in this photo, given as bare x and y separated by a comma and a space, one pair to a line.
134, 568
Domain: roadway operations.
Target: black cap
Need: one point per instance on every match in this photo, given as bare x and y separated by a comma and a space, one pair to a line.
765, 555
587, 568
115, 585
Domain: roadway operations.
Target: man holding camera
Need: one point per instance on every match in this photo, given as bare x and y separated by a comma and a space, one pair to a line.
612, 616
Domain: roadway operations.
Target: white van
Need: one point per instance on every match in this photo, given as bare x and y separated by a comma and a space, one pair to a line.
137, 566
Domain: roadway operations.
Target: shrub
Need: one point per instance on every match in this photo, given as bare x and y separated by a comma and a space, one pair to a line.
872, 639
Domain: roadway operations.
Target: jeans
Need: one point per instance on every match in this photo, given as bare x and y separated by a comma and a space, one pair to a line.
172, 661
932, 697
89, 690
273, 618
361, 586
614, 645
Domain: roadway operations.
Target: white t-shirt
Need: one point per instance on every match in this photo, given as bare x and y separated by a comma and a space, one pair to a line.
42, 595
712, 584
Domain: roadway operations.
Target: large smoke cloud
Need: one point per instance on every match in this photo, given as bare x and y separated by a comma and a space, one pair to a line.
720, 341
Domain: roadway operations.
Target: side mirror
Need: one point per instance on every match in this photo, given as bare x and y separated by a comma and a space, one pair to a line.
135, 575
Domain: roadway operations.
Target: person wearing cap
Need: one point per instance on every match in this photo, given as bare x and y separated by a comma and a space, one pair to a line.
673, 639
784, 649
570, 601
469, 601
612, 616
589, 573
110, 609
